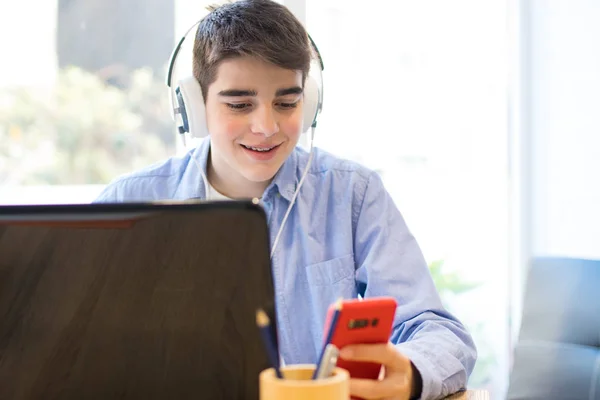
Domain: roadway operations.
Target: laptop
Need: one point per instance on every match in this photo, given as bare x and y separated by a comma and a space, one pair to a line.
133, 301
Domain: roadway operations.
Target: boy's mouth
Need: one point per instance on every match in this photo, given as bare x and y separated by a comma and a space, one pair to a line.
260, 153
260, 149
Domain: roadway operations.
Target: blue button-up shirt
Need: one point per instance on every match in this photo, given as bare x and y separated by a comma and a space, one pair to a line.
344, 237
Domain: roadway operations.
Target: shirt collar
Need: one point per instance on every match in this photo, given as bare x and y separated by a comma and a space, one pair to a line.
192, 186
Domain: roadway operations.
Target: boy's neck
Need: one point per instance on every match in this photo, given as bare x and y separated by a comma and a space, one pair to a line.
233, 185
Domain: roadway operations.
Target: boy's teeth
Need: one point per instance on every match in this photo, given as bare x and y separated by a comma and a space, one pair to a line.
257, 149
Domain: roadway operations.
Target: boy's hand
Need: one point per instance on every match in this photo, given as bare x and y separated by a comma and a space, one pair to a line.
400, 382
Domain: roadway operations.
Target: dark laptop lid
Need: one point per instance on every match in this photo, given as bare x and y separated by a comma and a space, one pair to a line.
132, 301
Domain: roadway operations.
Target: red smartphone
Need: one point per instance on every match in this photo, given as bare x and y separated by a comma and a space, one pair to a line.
364, 321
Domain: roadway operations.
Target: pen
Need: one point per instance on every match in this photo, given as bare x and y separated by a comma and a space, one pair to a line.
264, 324
332, 326
328, 362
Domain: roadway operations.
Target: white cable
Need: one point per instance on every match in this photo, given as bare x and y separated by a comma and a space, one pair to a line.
287, 213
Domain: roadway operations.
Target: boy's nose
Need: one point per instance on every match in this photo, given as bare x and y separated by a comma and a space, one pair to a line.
265, 122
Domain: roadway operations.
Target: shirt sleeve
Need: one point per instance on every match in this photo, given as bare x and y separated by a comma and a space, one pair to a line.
110, 194
135, 189
390, 263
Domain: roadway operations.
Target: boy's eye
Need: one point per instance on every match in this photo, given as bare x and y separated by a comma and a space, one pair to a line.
238, 106
288, 105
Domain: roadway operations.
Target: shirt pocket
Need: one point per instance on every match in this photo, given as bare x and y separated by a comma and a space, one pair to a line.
336, 271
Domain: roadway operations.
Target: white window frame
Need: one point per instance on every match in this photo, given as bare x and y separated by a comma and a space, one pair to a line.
519, 163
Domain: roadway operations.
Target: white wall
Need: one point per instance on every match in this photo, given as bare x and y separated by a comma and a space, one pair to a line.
565, 127
27, 41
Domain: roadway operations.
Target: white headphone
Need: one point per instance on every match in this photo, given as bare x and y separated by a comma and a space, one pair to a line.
189, 112
187, 103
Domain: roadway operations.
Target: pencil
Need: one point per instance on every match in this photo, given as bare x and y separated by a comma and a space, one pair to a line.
264, 324
336, 313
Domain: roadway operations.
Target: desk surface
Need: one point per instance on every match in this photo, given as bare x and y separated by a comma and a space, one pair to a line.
470, 395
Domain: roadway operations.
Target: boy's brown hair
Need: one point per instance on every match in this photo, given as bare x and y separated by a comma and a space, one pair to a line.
259, 28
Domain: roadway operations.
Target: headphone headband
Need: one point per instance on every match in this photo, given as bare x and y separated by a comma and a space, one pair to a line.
175, 52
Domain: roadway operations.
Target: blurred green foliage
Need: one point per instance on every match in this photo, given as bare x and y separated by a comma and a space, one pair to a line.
81, 130
448, 283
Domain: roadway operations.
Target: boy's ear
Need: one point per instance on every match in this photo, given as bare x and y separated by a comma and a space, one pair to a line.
191, 110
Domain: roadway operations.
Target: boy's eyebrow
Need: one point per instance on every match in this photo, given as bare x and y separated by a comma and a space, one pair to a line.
250, 93
237, 93
290, 90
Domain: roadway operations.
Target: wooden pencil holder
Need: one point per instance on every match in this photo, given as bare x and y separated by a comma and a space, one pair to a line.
297, 384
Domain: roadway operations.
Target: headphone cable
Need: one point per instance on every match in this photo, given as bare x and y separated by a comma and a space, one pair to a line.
293, 201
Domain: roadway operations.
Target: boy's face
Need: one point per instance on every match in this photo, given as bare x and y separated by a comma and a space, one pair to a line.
254, 116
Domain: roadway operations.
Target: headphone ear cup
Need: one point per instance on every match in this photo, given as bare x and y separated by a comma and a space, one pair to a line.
311, 104
192, 108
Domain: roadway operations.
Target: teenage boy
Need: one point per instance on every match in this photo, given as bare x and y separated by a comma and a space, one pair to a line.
344, 235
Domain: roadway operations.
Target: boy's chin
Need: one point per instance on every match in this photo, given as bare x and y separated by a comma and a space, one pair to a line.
262, 176
261, 173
